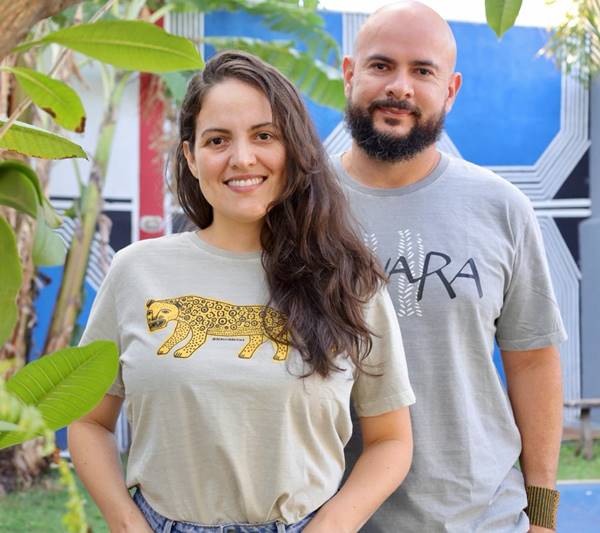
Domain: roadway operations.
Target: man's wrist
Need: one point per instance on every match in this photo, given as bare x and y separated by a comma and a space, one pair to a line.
542, 506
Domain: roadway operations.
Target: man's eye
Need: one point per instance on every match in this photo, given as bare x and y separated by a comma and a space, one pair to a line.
424, 71
379, 66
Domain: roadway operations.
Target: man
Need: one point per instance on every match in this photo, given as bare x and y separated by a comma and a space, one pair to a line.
466, 263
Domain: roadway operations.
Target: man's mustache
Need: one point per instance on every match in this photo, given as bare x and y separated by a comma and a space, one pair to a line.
398, 104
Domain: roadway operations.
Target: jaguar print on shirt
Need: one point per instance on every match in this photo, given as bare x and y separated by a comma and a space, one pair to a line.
197, 318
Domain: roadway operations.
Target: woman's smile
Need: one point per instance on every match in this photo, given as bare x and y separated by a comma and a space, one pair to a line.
245, 183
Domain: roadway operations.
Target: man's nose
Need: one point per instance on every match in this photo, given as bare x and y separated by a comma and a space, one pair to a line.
242, 155
400, 87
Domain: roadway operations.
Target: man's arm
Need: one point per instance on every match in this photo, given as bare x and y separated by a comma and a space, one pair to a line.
534, 384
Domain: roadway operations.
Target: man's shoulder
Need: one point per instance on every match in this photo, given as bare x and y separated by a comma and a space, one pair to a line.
484, 182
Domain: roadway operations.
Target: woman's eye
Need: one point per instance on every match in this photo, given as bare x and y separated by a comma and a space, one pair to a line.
265, 136
215, 141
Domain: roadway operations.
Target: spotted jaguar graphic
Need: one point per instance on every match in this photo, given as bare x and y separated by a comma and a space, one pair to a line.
197, 318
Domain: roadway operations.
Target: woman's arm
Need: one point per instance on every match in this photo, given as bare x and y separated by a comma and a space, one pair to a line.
95, 455
381, 467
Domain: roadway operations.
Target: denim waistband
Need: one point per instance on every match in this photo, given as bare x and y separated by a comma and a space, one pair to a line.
162, 524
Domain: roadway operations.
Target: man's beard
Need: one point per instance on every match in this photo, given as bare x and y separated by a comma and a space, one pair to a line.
387, 146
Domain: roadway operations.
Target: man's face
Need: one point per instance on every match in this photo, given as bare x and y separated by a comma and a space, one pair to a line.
399, 87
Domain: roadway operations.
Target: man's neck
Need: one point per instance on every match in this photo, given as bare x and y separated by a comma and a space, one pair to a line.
385, 175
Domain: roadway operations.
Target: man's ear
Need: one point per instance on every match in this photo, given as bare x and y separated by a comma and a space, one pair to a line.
453, 87
348, 72
189, 157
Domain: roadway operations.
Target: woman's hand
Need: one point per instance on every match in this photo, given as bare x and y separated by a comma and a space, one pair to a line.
381, 467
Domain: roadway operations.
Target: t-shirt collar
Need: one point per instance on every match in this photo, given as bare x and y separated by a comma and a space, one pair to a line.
348, 180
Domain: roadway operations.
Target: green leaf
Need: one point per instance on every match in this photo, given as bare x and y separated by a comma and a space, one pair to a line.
48, 248
59, 100
17, 191
35, 142
27, 171
23, 47
501, 14
9, 168
176, 83
8, 426
10, 280
130, 45
65, 385
319, 81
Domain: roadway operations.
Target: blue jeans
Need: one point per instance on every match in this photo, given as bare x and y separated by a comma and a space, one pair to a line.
161, 524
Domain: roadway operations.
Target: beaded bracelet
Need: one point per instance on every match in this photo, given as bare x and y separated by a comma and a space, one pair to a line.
542, 506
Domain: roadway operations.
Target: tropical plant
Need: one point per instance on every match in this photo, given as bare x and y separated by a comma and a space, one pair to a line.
48, 394
575, 42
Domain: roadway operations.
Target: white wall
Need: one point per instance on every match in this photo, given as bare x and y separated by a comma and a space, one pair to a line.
123, 169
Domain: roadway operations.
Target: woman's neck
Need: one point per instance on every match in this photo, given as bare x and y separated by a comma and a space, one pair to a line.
233, 237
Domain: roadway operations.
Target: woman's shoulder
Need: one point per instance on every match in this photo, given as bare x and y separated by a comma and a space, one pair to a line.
167, 244
379, 305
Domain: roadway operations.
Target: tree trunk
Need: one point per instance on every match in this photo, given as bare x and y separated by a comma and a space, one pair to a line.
21, 466
17, 17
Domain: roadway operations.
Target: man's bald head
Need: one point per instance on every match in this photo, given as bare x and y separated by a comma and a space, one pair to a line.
416, 17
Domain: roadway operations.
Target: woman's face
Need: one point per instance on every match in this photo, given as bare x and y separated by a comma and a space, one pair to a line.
239, 156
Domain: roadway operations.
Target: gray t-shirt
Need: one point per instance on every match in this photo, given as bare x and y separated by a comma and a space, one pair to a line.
466, 263
223, 428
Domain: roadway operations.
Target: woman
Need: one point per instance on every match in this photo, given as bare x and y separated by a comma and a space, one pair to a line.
241, 343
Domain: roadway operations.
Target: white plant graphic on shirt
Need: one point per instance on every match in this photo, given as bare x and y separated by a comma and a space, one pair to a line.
414, 252
371, 242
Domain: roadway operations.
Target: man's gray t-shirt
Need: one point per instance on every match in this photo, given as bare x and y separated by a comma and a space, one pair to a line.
466, 263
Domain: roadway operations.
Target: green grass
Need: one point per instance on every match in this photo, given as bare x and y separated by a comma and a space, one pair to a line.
573, 466
40, 509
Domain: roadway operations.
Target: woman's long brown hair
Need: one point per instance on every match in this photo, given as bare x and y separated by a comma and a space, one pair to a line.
319, 272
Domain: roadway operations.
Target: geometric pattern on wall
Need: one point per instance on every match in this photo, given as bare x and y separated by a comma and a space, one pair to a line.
543, 180
566, 278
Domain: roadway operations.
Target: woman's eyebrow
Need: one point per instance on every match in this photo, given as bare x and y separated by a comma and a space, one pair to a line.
214, 130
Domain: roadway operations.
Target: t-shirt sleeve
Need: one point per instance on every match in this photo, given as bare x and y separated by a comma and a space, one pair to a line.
102, 324
530, 317
385, 385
